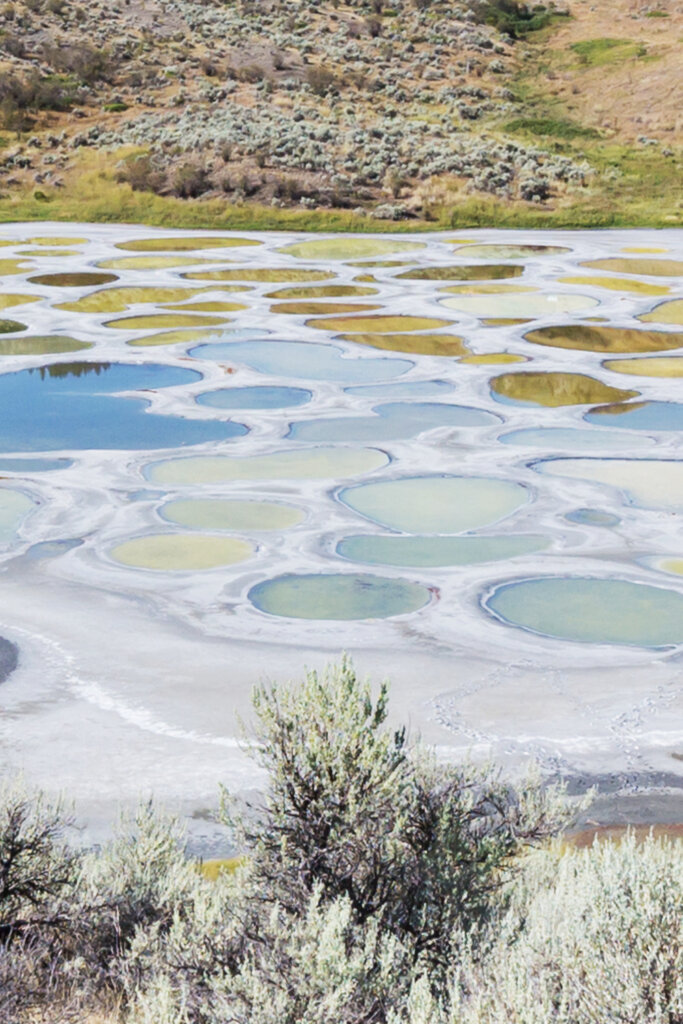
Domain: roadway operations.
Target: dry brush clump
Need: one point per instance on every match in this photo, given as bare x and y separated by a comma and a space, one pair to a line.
378, 886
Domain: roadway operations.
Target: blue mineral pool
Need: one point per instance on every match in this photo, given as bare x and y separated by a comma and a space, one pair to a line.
75, 405
592, 517
592, 610
306, 360
391, 422
254, 398
639, 416
338, 596
425, 552
435, 504
33, 465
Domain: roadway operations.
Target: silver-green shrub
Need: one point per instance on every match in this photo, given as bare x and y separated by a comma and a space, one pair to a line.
591, 937
351, 811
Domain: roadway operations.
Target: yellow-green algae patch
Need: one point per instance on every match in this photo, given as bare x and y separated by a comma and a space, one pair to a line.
419, 344
475, 272
211, 870
311, 464
173, 338
642, 249
184, 244
181, 552
40, 345
323, 291
322, 308
605, 339
348, 248
152, 262
503, 251
659, 366
8, 300
55, 241
154, 320
48, 252
618, 284
228, 514
207, 306
530, 305
505, 321
665, 313
77, 279
493, 359
381, 263
9, 267
671, 565
271, 275
117, 300
380, 324
646, 268
556, 389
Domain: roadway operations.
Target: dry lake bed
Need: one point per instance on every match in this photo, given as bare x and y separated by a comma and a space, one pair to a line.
225, 457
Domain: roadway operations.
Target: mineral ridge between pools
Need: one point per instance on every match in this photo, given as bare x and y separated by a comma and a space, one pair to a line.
227, 485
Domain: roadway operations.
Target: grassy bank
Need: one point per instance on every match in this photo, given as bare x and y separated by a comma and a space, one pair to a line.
631, 189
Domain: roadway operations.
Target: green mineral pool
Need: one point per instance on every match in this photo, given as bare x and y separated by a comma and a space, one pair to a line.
435, 504
307, 464
14, 506
40, 345
656, 366
379, 324
644, 267
665, 313
181, 552
473, 272
348, 248
605, 339
555, 389
592, 610
184, 244
117, 300
504, 251
13, 299
76, 279
338, 596
431, 552
448, 345
230, 514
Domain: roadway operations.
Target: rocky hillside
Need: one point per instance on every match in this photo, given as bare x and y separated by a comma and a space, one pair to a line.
398, 108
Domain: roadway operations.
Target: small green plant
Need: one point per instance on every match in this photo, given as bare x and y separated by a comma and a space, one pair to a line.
597, 52
550, 126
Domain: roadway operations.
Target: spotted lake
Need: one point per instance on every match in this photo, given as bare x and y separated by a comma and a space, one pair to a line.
225, 457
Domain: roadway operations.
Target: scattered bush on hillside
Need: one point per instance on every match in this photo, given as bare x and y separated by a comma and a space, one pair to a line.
513, 17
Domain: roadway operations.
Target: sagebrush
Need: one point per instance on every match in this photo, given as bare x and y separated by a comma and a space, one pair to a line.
377, 886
